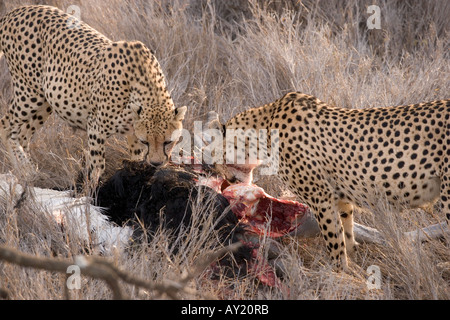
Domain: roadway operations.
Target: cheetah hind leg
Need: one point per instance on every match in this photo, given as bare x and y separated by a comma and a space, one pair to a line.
16, 135
11, 136
35, 123
14, 152
445, 194
19, 159
4, 126
4, 131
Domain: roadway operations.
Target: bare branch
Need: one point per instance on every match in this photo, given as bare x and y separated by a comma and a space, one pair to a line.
99, 268
58, 265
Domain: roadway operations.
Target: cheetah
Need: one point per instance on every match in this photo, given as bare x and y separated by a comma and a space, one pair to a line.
60, 64
336, 158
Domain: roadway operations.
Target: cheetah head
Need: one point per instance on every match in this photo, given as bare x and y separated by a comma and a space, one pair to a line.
157, 123
235, 165
158, 130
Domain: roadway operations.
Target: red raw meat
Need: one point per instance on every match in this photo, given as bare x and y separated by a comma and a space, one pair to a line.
262, 213
261, 268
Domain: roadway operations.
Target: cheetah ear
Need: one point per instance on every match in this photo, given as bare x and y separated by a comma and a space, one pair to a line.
180, 113
213, 122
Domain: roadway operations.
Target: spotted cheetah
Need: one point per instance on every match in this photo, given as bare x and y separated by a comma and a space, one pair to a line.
334, 158
61, 64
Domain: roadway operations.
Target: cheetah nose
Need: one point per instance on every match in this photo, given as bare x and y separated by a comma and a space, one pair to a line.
155, 164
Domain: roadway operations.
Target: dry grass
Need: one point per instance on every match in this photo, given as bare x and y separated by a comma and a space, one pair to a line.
227, 56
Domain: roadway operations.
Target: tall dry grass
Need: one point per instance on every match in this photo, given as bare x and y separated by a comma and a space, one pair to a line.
230, 55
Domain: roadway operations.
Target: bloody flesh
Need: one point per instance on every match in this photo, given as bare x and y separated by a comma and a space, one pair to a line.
262, 213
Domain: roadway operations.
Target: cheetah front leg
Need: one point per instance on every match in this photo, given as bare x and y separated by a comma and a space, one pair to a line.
96, 156
326, 212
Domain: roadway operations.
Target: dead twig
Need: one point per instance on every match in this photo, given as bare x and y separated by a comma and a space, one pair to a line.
100, 268
92, 270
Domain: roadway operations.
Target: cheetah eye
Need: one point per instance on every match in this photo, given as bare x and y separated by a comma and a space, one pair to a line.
166, 143
143, 142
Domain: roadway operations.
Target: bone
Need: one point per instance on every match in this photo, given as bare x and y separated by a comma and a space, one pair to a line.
364, 234
431, 232
77, 215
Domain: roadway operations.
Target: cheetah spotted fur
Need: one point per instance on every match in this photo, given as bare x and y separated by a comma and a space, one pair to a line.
334, 158
62, 65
